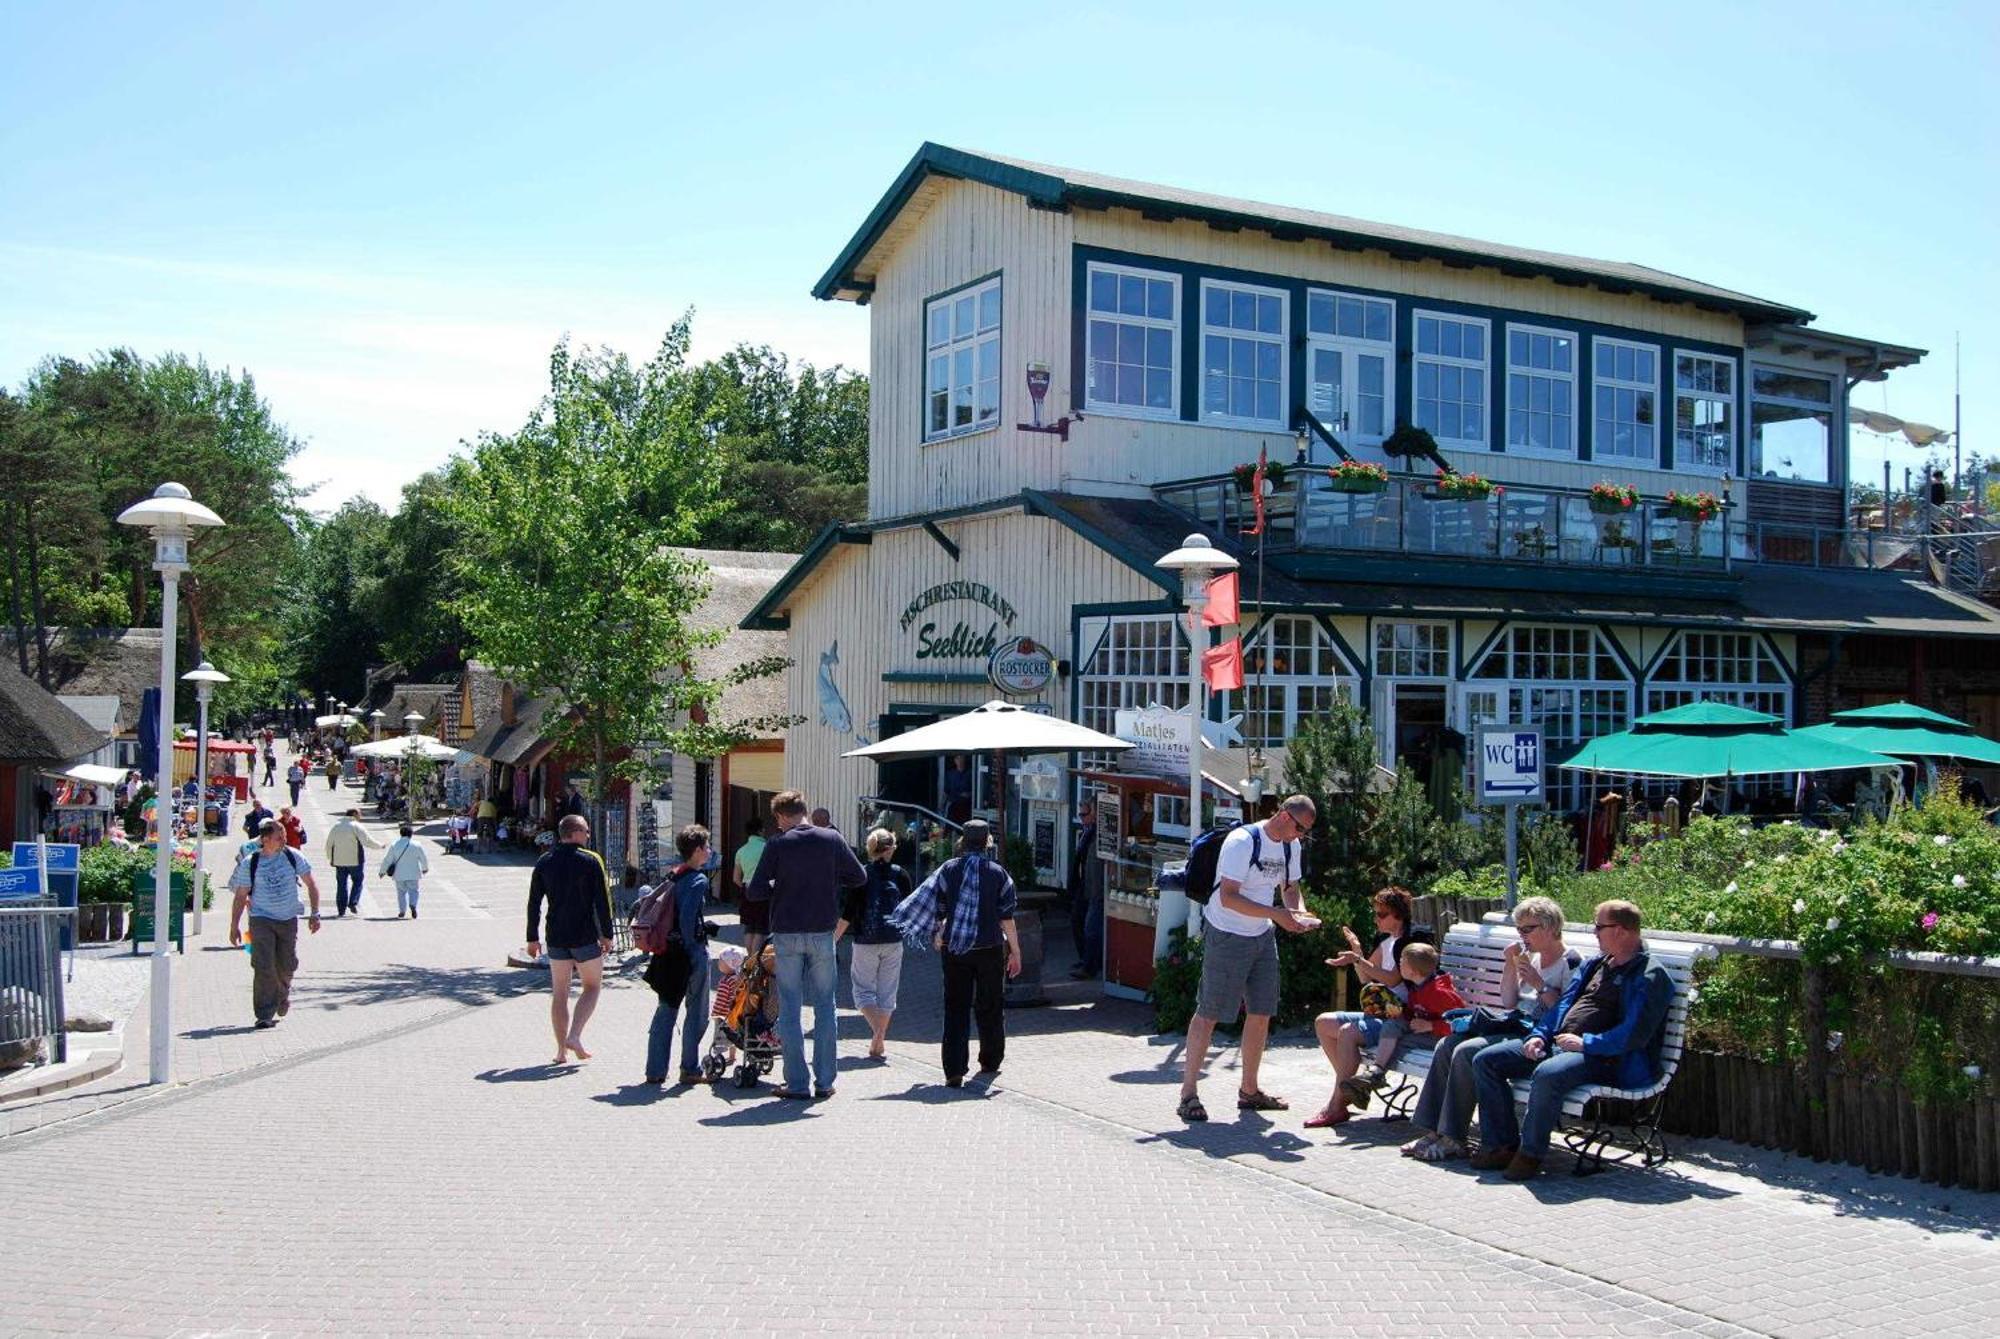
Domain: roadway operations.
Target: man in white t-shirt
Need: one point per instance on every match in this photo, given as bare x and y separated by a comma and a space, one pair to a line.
1256, 887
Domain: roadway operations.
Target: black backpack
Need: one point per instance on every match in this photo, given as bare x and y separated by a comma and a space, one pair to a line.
1207, 851
255, 856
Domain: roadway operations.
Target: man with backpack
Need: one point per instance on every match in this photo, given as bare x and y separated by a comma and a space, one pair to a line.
667, 923
1257, 872
266, 884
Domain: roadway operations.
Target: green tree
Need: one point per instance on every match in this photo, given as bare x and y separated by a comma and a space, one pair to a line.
416, 600
331, 635
573, 586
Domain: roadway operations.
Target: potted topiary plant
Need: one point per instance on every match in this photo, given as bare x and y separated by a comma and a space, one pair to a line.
1358, 476
1408, 440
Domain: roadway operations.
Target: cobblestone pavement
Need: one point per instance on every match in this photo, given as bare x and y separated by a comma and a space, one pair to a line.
395, 1158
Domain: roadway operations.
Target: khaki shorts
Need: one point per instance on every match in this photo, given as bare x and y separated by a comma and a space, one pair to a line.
1237, 971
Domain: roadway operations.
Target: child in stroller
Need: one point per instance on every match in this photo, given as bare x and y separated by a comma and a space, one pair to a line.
745, 997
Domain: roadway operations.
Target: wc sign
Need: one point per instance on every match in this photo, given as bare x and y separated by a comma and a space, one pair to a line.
1510, 764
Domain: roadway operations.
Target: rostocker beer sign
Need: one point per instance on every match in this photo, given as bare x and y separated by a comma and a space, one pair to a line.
962, 640
1021, 666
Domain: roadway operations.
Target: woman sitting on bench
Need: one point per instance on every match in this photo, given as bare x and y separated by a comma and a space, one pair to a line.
1532, 976
1343, 1035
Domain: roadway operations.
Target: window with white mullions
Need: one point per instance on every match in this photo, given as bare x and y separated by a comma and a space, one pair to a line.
1791, 424
1625, 384
1450, 370
1737, 668
962, 361
1541, 390
1293, 672
1704, 412
1567, 680
1243, 358
1132, 341
1142, 659
1413, 650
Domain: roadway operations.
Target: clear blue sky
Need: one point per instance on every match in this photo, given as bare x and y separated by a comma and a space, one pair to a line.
389, 213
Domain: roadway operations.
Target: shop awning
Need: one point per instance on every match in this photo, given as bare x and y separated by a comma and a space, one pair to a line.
93, 774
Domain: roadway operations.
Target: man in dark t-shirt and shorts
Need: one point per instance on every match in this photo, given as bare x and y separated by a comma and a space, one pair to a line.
571, 879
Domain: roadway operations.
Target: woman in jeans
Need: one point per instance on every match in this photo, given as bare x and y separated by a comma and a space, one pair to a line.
1533, 974
1345, 1036
877, 966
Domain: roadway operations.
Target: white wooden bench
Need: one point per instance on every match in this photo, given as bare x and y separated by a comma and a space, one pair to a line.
1604, 1116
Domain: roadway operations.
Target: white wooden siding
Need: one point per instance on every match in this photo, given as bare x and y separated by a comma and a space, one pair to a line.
857, 598
963, 231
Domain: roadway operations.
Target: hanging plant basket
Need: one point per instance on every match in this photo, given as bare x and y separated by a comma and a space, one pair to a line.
1696, 507
1466, 487
1610, 499
1358, 476
1274, 475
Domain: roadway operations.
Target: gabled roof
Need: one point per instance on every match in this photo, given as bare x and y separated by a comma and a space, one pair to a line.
851, 276
35, 727
738, 583
101, 662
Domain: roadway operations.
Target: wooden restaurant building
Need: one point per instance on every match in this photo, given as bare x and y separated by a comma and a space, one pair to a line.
1067, 368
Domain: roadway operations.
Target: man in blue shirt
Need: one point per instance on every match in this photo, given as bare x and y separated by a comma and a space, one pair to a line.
266, 884
801, 872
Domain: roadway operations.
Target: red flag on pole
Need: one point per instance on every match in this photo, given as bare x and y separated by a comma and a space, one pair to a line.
1222, 666
1221, 610
1257, 493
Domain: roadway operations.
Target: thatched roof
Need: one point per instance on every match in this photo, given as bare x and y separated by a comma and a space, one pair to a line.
36, 728
100, 662
739, 580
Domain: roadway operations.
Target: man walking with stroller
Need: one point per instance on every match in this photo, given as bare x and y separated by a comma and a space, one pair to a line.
801, 873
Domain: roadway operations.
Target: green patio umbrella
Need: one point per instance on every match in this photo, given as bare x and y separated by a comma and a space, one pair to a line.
1714, 739
1905, 730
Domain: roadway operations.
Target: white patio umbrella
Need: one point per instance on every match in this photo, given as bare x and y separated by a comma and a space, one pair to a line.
998, 728
403, 746
343, 720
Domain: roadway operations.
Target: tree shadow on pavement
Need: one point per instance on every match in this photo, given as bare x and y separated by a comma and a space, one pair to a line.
403, 981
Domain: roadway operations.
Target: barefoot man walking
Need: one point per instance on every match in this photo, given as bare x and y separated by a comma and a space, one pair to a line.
571, 879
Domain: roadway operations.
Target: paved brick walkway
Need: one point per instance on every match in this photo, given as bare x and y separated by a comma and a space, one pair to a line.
392, 1158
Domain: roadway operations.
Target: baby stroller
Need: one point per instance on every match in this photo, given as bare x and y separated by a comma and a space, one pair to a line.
743, 1023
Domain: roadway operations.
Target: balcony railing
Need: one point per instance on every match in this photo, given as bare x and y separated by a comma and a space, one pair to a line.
1527, 524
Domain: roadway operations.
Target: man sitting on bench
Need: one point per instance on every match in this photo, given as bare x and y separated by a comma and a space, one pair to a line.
1606, 1029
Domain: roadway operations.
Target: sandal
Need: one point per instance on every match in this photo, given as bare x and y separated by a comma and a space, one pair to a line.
1415, 1148
1261, 1101
1443, 1148
1191, 1108
1324, 1119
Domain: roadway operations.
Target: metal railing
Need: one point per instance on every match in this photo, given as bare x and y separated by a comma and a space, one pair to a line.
1544, 525
31, 977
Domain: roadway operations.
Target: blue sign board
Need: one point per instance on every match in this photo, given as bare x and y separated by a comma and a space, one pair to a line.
62, 855
1510, 764
18, 883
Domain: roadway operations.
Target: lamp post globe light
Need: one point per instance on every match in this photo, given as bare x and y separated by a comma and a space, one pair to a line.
411, 720
173, 515
204, 677
1198, 562
375, 719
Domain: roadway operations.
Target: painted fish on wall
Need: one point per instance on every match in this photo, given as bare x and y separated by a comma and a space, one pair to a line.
833, 711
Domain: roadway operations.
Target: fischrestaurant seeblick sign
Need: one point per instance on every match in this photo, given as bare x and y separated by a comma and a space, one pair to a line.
962, 639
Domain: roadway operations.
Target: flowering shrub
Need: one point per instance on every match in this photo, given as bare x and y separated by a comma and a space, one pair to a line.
1623, 497
1466, 487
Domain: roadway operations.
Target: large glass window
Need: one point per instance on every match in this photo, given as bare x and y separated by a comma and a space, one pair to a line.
1567, 680
962, 361
1243, 354
1451, 378
1791, 425
1541, 390
1140, 659
1292, 671
1413, 650
1133, 341
1704, 412
1350, 316
1734, 667
1625, 382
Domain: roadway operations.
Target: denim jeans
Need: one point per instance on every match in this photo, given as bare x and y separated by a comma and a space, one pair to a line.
692, 1010
807, 969
344, 875
1086, 928
1445, 1104
1494, 1068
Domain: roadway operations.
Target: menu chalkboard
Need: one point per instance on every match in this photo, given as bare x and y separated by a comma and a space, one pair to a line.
1110, 824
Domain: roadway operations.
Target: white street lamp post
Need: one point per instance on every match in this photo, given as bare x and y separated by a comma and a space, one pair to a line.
1198, 562
411, 720
172, 515
204, 677
375, 718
